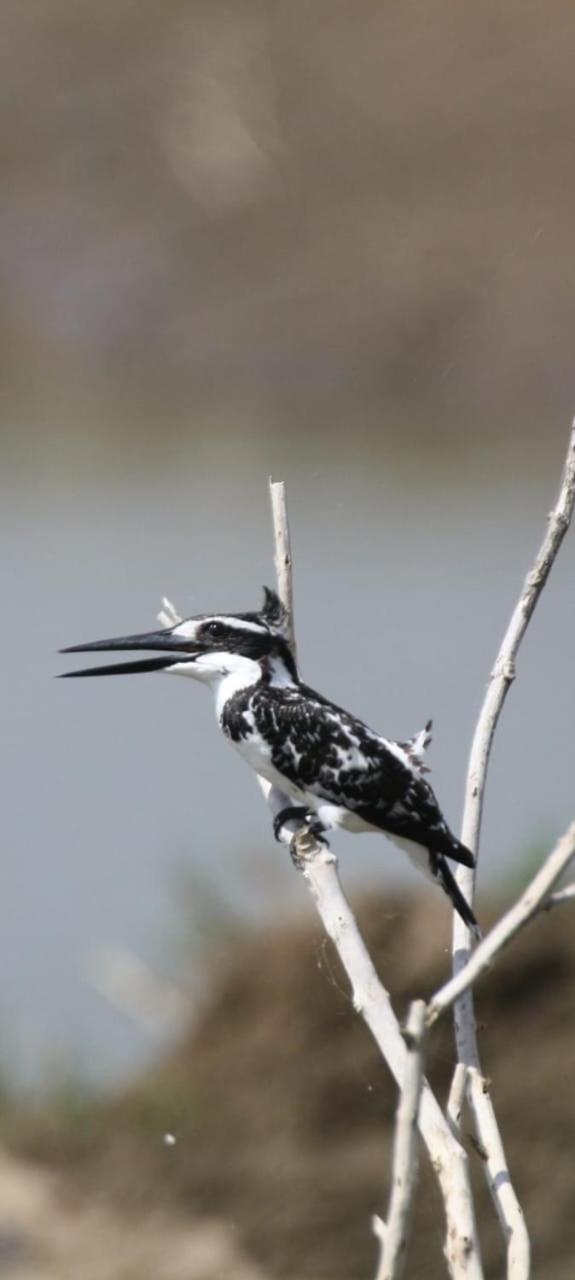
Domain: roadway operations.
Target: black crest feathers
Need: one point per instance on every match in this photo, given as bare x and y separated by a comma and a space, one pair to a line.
273, 612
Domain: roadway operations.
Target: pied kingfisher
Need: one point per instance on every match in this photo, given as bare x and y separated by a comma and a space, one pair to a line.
326, 767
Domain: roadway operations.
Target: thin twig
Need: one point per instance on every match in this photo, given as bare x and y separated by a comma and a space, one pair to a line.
394, 1246
533, 900
560, 898
504, 672
282, 554
502, 676
371, 1000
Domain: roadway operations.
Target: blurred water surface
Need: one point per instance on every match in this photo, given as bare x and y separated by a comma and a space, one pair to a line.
328, 243
404, 583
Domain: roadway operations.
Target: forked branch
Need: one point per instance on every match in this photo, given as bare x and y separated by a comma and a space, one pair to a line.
535, 898
319, 867
394, 1236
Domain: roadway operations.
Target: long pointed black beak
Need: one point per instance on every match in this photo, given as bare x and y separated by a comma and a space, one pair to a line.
179, 650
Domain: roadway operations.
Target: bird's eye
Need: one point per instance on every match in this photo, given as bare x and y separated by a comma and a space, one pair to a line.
216, 630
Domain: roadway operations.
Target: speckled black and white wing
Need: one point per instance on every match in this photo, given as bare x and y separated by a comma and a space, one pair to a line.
325, 752
332, 762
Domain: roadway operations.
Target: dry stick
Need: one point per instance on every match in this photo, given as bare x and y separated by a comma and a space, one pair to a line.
456, 1098
394, 1236
282, 556
560, 898
371, 1000
534, 900
502, 676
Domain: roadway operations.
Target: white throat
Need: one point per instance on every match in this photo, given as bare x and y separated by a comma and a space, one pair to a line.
243, 673
229, 673
225, 673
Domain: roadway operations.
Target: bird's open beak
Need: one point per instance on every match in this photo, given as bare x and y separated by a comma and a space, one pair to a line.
173, 649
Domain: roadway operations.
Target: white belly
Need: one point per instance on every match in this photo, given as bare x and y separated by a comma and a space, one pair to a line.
334, 815
417, 854
257, 754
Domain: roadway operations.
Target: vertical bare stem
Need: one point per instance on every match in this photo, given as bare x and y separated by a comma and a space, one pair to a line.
392, 1262
502, 676
282, 554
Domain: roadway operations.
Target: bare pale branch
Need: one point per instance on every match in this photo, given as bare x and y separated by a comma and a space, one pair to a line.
456, 1098
533, 900
394, 1244
489, 1146
282, 554
504, 670
560, 898
502, 676
370, 998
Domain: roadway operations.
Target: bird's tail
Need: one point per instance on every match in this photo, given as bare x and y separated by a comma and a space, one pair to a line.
443, 874
458, 851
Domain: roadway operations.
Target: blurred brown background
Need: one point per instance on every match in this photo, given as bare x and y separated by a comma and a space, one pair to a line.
303, 217
332, 243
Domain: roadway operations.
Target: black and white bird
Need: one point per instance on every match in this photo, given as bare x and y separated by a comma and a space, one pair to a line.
326, 767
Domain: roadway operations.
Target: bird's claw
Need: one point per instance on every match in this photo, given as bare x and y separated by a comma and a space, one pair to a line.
295, 849
304, 843
291, 813
309, 831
